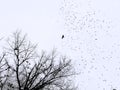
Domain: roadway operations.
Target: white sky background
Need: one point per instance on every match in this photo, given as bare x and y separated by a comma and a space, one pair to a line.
92, 40
91, 29
40, 19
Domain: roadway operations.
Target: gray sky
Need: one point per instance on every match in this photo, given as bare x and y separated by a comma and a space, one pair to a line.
40, 19
91, 29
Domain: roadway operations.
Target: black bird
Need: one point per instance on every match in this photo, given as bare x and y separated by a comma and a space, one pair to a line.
62, 36
16, 48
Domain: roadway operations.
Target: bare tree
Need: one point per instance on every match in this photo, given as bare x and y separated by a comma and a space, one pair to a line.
31, 71
4, 69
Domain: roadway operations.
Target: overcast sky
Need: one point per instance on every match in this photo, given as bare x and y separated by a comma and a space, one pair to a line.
40, 19
91, 29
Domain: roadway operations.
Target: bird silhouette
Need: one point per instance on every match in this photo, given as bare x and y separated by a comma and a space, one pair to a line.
16, 48
62, 36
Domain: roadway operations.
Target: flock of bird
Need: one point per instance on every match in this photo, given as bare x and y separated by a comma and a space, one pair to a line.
88, 36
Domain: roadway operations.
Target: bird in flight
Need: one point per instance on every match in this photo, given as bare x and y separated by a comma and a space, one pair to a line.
62, 36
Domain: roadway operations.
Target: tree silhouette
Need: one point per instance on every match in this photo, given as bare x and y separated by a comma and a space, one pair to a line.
30, 71
4, 70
